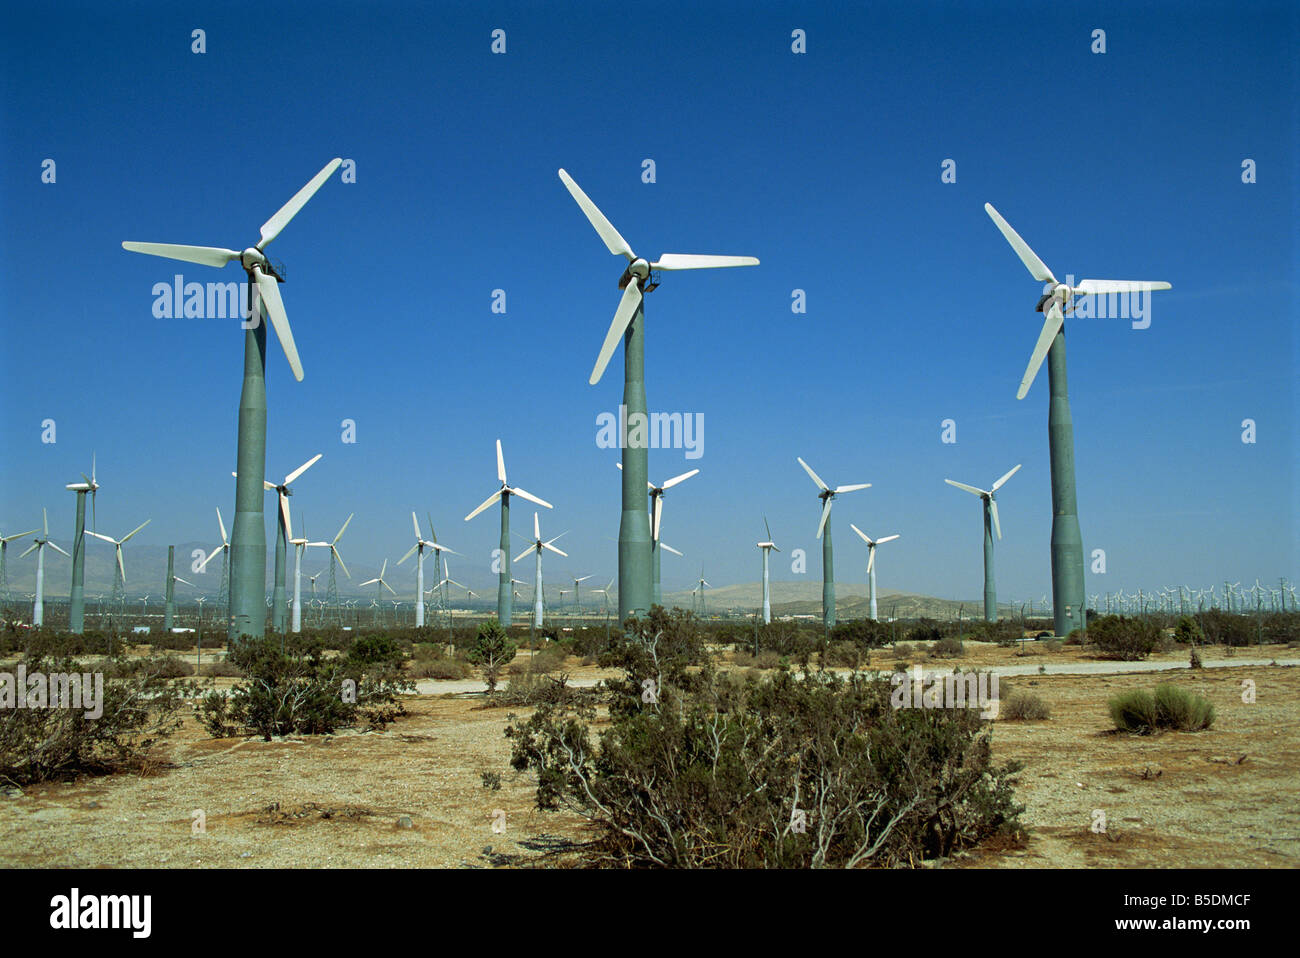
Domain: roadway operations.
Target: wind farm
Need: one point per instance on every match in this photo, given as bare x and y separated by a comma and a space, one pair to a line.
717, 708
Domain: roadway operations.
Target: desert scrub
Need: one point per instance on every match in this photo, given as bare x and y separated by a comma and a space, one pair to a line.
138, 709
1023, 707
947, 648
1124, 638
718, 771
1170, 707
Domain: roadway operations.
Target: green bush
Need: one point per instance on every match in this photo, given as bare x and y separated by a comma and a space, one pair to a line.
491, 650
846, 655
299, 690
721, 772
866, 634
1005, 632
1170, 707
1188, 631
1124, 638
1227, 628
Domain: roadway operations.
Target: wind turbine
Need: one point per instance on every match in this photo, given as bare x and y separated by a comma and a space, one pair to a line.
332, 591
656, 516
1067, 542
77, 594
248, 533
5, 598
119, 579
604, 594
223, 594
635, 575
420, 544
703, 584
504, 597
285, 532
827, 496
767, 547
381, 585
991, 526
871, 561
41, 541
536, 547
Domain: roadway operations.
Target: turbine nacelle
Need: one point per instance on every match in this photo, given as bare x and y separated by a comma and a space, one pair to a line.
638, 269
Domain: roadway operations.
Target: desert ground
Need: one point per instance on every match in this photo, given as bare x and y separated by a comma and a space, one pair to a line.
413, 795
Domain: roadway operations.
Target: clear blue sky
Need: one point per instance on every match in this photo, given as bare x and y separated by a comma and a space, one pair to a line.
825, 165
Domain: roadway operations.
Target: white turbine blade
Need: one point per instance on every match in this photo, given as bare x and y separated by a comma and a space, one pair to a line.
672, 261
387, 586
303, 468
865, 538
664, 545
501, 464
768, 528
531, 498
615, 242
345, 528
186, 581
409, 553
622, 319
272, 227
23, 535
871, 559
962, 485
45, 521
815, 478
490, 499
998, 485
1103, 286
30, 549
204, 564
284, 512
1052, 324
993, 510
887, 539
120, 564
1027, 256
369, 582
558, 552
658, 512
135, 530
383, 569
203, 255
583, 579
676, 479
416, 523
339, 557
269, 287
224, 538
530, 549
852, 488
100, 535
826, 513
440, 549
537, 527
56, 548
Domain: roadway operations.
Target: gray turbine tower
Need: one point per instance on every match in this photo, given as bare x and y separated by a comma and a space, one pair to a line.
657, 546
635, 565
284, 533
1067, 542
247, 614
767, 547
504, 593
77, 594
169, 607
536, 546
991, 527
871, 563
827, 496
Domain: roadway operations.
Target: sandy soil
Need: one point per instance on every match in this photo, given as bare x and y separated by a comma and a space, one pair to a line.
1224, 797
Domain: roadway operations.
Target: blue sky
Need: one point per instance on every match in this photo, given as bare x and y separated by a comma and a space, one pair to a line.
825, 165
